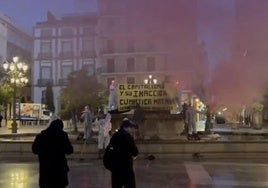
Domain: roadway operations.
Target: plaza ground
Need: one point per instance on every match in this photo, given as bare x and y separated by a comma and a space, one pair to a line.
160, 173
164, 172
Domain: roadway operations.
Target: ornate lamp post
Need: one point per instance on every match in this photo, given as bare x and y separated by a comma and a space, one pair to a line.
16, 76
150, 80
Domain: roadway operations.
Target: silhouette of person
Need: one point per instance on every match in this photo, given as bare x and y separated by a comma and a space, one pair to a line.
208, 123
1, 118
51, 146
123, 175
183, 112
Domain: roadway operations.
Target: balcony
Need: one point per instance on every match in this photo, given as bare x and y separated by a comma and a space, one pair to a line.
44, 82
66, 55
88, 54
43, 55
63, 81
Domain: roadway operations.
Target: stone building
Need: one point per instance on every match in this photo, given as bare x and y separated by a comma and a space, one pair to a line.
62, 46
152, 37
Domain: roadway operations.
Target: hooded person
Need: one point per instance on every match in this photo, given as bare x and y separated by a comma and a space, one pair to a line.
126, 150
51, 146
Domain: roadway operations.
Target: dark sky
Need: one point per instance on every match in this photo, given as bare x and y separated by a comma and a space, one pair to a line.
25, 13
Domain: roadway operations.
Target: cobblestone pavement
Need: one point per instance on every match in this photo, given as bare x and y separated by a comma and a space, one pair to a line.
160, 173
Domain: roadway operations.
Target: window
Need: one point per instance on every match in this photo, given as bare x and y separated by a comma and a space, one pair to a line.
89, 67
46, 72
46, 33
150, 64
130, 80
87, 45
110, 46
66, 46
43, 97
45, 47
88, 31
130, 64
110, 65
66, 31
66, 69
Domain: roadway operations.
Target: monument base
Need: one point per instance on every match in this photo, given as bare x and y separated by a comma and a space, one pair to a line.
156, 125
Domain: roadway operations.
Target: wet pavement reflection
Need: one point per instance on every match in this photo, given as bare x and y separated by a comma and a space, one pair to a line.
160, 173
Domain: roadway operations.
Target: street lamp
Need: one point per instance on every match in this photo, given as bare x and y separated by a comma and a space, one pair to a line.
16, 75
150, 80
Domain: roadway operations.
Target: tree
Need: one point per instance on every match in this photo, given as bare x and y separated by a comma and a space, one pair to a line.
49, 99
82, 89
5, 95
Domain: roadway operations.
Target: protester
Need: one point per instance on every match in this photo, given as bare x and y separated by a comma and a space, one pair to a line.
87, 118
51, 146
123, 174
208, 122
190, 120
105, 127
183, 113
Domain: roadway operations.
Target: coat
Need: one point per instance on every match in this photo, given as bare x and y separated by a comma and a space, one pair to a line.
125, 150
51, 146
126, 147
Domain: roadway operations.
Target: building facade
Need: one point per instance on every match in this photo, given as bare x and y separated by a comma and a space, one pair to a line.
61, 47
141, 38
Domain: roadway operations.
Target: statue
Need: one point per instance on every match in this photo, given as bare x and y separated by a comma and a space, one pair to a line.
112, 97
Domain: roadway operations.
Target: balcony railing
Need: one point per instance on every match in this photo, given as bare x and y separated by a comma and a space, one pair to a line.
63, 81
45, 55
66, 55
44, 82
88, 54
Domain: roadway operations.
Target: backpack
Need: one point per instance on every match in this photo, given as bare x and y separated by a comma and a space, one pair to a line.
110, 158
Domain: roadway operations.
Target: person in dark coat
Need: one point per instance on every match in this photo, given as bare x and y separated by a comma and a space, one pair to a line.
1, 118
183, 113
123, 175
51, 146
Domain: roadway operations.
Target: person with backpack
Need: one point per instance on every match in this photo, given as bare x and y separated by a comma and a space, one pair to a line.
52, 145
120, 154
